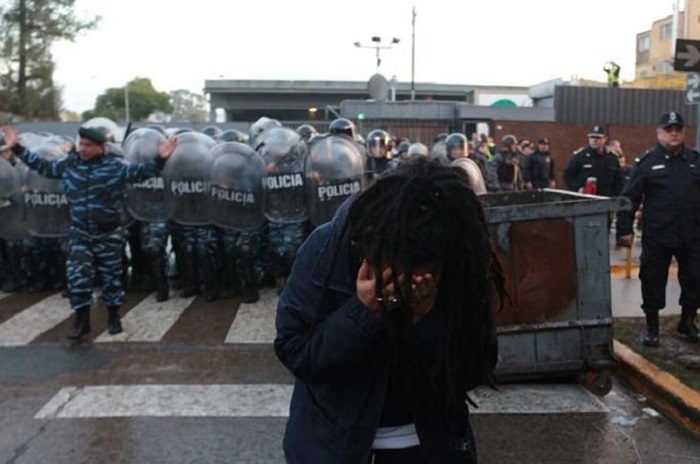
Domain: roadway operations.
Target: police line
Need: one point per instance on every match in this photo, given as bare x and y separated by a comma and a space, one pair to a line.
227, 184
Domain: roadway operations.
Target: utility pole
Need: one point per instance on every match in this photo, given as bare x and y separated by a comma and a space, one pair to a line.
413, 55
126, 103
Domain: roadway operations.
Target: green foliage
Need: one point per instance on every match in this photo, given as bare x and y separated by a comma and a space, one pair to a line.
28, 28
144, 99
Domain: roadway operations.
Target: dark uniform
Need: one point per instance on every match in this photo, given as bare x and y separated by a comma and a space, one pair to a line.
507, 167
670, 188
604, 167
539, 169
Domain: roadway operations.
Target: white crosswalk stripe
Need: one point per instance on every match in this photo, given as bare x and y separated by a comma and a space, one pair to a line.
265, 400
28, 324
272, 400
148, 321
255, 323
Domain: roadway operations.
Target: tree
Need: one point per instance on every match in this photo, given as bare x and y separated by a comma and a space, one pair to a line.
27, 30
144, 99
188, 106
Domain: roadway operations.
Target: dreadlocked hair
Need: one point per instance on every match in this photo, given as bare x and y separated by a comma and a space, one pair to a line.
426, 215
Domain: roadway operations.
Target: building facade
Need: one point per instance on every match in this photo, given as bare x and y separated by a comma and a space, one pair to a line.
655, 47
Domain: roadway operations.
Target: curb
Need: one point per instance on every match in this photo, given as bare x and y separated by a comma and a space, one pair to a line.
676, 400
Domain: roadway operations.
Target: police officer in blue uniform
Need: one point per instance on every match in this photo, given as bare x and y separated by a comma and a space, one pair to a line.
95, 180
667, 179
594, 161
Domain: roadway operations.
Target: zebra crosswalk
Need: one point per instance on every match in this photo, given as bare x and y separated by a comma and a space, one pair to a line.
28, 324
145, 321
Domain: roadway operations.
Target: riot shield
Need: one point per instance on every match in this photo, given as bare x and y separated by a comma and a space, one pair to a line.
439, 152
145, 200
283, 153
45, 212
31, 141
11, 202
186, 178
476, 179
235, 192
334, 171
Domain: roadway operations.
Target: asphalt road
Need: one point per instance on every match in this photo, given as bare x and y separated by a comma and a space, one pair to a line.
191, 381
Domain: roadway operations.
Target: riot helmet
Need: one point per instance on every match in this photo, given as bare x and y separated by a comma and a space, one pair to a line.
233, 135
261, 125
378, 143
456, 145
342, 126
104, 126
306, 131
417, 150
509, 140
402, 149
212, 131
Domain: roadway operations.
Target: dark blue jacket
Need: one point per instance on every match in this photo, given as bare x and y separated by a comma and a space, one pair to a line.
341, 366
604, 167
669, 186
95, 189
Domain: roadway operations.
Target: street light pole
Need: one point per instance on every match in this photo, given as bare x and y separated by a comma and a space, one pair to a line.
126, 102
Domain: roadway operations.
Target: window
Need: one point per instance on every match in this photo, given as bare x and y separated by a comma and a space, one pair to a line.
666, 31
643, 44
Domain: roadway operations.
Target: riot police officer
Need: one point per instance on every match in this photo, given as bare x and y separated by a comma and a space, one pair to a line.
378, 152
506, 163
95, 182
667, 178
594, 161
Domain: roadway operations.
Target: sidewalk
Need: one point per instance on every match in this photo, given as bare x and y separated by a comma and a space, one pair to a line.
627, 293
676, 400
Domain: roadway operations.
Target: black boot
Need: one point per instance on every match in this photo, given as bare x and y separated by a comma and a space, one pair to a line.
285, 268
230, 282
114, 324
250, 280
651, 332
15, 282
211, 286
81, 324
687, 326
160, 276
190, 274
36, 280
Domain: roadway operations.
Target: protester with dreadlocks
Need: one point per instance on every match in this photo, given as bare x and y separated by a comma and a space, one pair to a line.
386, 323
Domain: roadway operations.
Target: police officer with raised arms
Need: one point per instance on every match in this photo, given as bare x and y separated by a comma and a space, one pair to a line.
95, 180
667, 180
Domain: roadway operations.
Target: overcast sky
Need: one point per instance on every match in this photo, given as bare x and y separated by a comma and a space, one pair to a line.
501, 42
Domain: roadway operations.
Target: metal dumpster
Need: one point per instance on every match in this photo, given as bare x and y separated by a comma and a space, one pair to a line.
554, 249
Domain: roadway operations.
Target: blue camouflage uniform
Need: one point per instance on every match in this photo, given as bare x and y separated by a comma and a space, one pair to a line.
95, 190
